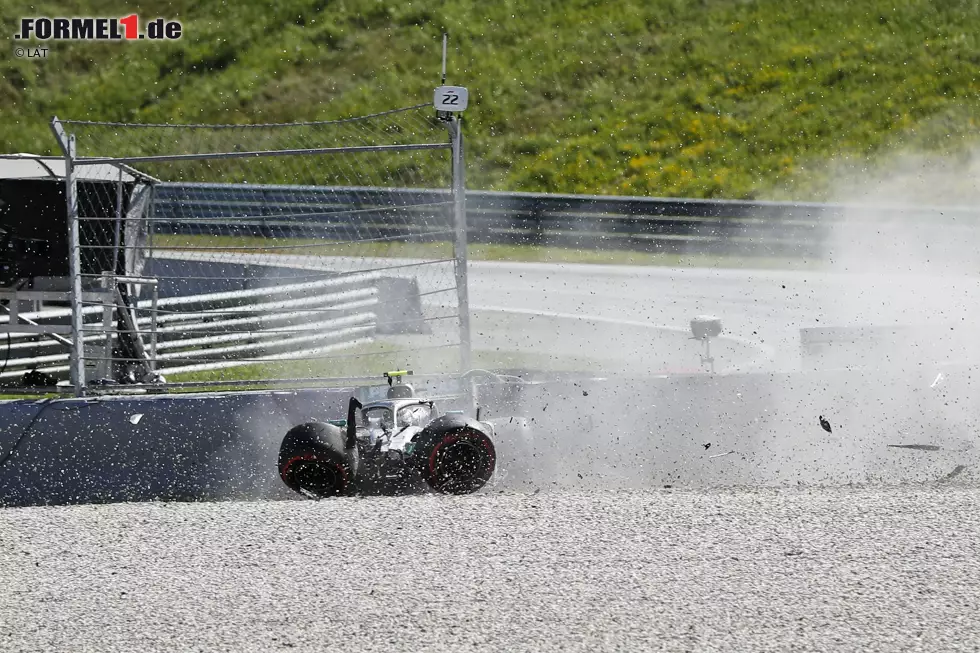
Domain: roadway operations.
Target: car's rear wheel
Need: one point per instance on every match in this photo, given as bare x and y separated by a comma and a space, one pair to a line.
314, 461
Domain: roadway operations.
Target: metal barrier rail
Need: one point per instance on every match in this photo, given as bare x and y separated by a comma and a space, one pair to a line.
268, 323
586, 221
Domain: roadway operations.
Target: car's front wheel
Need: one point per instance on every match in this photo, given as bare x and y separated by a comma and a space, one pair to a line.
455, 455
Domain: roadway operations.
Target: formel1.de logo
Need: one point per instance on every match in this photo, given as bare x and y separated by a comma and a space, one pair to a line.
126, 28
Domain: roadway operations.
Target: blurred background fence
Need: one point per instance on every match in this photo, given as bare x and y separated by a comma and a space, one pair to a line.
676, 226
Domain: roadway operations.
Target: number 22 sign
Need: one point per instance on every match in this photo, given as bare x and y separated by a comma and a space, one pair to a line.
451, 98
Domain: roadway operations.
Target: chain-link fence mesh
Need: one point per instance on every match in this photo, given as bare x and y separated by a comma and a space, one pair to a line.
306, 250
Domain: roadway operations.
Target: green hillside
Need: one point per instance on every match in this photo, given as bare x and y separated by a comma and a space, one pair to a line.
696, 98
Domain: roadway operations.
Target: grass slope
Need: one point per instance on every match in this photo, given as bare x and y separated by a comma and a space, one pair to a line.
709, 98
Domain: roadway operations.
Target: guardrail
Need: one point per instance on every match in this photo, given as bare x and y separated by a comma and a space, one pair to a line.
217, 330
748, 228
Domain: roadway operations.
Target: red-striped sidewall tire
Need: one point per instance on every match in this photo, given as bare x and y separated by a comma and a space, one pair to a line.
312, 458
460, 461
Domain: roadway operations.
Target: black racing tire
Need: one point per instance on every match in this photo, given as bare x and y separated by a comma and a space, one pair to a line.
455, 455
314, 461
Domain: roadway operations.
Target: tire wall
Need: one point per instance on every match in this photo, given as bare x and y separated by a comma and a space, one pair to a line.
594, 433
180, 448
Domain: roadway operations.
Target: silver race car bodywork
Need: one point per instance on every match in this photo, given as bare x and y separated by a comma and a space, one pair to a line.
400, 444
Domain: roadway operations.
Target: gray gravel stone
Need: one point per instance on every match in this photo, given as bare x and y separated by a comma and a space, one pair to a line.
883, 569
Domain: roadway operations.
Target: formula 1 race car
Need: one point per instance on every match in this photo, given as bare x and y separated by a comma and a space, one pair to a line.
400, 444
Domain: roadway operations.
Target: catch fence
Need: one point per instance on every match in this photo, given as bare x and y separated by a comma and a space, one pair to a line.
321, 279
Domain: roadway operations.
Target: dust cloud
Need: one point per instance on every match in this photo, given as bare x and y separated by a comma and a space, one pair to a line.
887, 355
892, 362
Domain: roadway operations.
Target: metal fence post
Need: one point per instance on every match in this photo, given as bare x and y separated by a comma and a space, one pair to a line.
460, 244
154, 304
77, 358
75, 271
117, 235
104, 368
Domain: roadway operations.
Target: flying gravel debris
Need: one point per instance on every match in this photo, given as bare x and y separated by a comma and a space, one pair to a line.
916, 447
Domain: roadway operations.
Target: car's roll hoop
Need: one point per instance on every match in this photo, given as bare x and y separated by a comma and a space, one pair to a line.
400, 390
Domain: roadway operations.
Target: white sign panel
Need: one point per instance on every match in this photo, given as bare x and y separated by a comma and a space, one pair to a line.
451, 98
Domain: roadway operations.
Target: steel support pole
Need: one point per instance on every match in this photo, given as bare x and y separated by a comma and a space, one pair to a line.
77, 358
75, 271
117, 236
105, 365
150, 229
154, 305
460, 244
